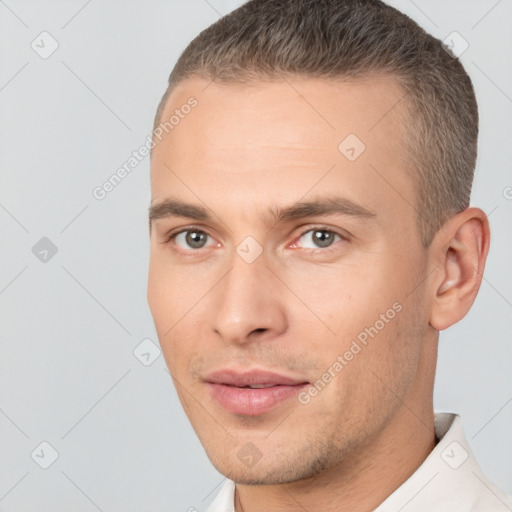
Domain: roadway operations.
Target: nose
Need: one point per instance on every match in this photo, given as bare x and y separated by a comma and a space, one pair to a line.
248, 304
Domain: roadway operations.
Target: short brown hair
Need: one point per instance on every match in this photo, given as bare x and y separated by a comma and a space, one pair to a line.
266, 39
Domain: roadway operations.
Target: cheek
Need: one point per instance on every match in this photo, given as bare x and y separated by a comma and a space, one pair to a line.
159, 301
171, 291
174, 306
177, 349
368, 314
347, 297
163, 301
376, 372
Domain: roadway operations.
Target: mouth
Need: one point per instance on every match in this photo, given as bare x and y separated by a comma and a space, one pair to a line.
254, 392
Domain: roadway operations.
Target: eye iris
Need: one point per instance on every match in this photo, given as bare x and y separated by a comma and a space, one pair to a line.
195, 239
323, 238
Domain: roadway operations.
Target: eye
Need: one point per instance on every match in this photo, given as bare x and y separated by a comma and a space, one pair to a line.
191, 239
318, 238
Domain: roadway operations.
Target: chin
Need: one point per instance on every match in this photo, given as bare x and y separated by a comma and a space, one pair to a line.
271, 472
253, 477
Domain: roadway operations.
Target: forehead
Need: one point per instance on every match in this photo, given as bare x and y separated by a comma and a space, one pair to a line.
245, 139
321, 108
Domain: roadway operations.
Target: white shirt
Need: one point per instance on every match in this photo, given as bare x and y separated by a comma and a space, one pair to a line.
449, 480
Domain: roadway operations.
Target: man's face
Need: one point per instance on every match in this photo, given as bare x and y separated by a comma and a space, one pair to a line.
255, 281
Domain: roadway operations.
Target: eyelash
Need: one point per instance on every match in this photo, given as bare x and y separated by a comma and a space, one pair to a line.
171, 236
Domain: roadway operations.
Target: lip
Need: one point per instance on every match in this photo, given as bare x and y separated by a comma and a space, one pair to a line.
252, 377
227, 388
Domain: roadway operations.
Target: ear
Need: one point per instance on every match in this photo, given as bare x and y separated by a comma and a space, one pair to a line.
459, 251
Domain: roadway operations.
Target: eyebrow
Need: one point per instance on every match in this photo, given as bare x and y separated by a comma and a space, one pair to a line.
331, 205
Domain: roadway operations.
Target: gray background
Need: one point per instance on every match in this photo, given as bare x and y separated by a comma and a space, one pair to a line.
69, 325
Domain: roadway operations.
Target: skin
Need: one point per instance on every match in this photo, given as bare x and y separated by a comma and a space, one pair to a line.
244, 150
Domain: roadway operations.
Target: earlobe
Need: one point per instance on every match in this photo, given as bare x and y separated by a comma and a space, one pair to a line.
460, 250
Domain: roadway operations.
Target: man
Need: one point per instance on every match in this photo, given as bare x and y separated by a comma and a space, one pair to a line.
310, 236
